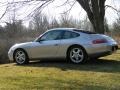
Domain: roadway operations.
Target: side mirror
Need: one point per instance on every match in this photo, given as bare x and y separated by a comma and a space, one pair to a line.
40, 41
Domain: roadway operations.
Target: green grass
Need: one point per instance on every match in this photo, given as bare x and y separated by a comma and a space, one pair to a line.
102, 74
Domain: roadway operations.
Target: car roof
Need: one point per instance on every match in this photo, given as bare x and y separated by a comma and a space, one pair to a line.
68, 29
74, 30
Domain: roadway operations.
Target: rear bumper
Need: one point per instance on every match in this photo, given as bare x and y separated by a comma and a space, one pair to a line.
114, 48
111, 50
101, 54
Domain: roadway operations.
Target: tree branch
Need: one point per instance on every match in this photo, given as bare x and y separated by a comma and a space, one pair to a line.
64, 3
108, 6
4, 13
71, 6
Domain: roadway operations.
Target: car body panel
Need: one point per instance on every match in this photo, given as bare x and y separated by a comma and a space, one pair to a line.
44, 49
59, 48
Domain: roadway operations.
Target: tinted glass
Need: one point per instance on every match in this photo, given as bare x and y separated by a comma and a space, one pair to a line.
68, 34
51, 35
83, 31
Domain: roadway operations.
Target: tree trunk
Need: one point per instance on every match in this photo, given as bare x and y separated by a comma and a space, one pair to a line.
98, 25
95, 10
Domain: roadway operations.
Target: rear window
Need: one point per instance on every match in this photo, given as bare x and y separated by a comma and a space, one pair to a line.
69, 34
83, 31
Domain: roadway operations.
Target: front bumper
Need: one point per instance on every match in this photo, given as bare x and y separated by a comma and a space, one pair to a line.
10, 55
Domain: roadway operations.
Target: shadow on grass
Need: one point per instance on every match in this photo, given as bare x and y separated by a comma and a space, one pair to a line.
100, 65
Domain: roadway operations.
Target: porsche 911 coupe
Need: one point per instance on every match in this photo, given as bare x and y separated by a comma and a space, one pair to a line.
64, 43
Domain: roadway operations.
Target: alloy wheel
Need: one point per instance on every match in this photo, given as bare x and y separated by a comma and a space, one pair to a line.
77, 55
20, 57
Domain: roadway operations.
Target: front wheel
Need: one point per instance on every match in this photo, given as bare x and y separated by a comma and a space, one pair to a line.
20, 57
77, 55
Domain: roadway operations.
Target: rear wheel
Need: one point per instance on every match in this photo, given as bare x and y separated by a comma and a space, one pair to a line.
20, 57
94, 58
77, 55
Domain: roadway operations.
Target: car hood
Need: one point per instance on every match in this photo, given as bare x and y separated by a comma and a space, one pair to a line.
23, 45
26, 44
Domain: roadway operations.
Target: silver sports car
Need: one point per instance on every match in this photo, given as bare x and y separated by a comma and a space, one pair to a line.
65, 43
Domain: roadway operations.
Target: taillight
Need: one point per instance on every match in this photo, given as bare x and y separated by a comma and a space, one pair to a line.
99, 41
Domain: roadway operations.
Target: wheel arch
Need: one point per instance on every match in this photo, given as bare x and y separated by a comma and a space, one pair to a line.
75, 45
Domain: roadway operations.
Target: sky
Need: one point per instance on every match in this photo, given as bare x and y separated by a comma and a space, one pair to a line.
54, 11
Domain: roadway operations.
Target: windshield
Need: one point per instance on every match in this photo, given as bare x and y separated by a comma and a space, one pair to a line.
38, 38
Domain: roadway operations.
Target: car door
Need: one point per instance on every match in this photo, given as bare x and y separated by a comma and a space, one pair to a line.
47, 45
68, 39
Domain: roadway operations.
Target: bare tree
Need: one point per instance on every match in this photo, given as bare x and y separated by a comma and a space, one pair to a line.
40, 22
95, 10
54, 23
116, 25
15, 28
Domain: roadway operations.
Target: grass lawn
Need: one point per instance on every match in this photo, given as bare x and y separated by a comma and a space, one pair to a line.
102, 74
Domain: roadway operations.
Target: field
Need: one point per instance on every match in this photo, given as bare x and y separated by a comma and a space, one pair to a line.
102, 74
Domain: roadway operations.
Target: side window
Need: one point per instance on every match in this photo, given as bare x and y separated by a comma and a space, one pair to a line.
51, 35
75, 34
68, 34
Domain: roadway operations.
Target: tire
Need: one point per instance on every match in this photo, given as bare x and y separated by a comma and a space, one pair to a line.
20, 57
94, 58
77, 55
